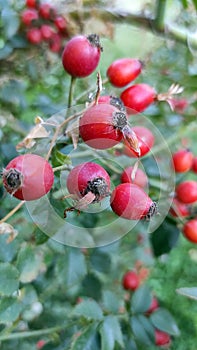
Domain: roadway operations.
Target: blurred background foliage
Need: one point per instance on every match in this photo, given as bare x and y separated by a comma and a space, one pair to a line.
47, 279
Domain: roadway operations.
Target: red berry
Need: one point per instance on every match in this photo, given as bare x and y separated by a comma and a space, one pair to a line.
29, 15
100, 126
81, 55
89, 177
138, 97
32, 3
60, 23
153, 306
194, 165
47, 11
122, 71
179, 209
182, 160
130, 280
34, 36
28, 177
140, 177
162, 338
130, 202
55, 43
40, 344
46, 31
190, 230
145, 141
186, 191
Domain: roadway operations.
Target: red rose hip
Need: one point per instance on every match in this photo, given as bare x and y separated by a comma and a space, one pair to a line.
28, 177
140, 177
146, 141
182, 160
89, 177
124, 70
130, 280
28, 16
190, 230
81, 55
194, 165
186, 191
129, 201
138, 97
100, 126
162, 338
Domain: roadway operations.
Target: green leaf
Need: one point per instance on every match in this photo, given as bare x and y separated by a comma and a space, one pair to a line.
164, 238
87, 340
100, 261
8, 251
28, 263
111, 302
188, 292
141, 299
140, 333
59, 158
163, 320
88, 309
111, 333
10, 309
9, 280
185, 3
71, 268
91, 287
195, 4
10, 22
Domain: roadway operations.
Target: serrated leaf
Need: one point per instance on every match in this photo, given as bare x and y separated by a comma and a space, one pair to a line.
164, 321
10, 309
8, 250
141, 299
9, 279
111, 333
59, 158
147, 325
141, 335
188, 292
100, 261
71, 268
111, 302
89, 309
164, 238
28, 264
87, 340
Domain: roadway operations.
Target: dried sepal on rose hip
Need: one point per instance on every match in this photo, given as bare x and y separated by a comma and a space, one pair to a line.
129, 201
81, 55
145, 141
28, 177
87, 183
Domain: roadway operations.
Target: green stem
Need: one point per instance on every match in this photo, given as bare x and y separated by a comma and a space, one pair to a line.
38, 333
160, 15
71, 91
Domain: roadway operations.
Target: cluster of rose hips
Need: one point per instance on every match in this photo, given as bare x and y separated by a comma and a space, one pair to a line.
44, 25
131, 281
183, 207
103, 125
